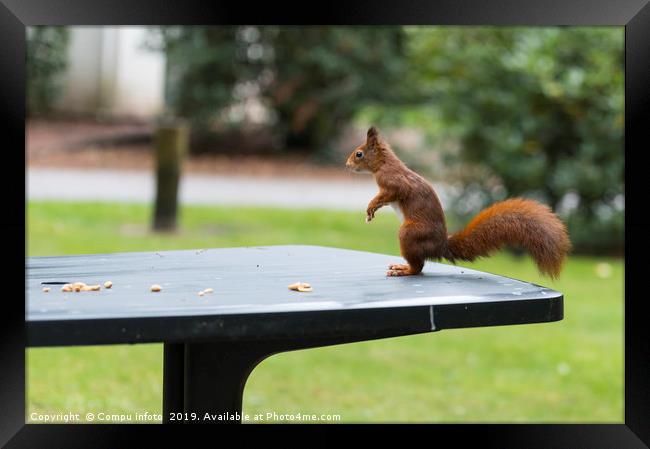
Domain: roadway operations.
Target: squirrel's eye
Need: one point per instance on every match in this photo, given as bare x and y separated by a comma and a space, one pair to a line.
359, 154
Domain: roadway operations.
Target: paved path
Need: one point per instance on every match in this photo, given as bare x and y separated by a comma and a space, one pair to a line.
136, 186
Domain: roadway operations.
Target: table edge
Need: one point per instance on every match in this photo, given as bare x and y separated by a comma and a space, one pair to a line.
354, 324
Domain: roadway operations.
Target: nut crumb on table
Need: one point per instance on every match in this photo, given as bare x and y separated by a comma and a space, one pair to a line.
80, 287
300, 287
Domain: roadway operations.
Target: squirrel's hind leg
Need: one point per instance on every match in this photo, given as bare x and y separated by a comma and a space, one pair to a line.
411, 237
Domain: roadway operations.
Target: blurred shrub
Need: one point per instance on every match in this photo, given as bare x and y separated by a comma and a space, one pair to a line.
311, 80
46, 61
537, 112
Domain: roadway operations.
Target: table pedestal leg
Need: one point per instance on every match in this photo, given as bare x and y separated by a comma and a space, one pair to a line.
173, 380
204, 382
212, 378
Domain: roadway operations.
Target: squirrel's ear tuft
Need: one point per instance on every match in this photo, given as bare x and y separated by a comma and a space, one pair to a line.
373, 137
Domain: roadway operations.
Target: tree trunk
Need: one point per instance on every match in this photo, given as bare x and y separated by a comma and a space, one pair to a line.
171, 143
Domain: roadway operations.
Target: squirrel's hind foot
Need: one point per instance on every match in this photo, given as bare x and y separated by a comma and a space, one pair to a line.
408, 271
398, 267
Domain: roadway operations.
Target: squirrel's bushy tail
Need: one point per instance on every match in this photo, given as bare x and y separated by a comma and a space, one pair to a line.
517, 222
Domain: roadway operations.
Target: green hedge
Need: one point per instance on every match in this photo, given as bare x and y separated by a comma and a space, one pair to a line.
46, 61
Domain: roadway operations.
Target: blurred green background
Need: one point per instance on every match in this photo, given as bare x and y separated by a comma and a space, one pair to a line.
568, 371
502, 112
490, 112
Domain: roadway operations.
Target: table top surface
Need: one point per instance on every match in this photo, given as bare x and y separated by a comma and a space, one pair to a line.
251, 284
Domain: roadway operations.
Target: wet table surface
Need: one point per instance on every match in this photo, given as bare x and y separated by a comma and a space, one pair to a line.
351, 294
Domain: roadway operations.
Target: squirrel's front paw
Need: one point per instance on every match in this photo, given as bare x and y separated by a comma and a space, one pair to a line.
369, 217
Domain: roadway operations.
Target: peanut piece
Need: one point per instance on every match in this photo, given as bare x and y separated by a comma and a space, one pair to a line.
295, 286
108, 284
155, 288
301, 287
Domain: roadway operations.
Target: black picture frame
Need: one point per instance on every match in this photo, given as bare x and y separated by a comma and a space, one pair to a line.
634, 15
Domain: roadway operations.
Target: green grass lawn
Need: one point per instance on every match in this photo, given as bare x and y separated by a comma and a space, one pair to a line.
568, 371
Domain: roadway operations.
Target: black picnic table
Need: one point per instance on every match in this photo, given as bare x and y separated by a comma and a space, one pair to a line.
212, 342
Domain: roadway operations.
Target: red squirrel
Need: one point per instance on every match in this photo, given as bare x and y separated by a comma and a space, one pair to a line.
423, 233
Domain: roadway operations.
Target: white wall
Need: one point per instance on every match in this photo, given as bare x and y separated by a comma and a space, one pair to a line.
80, 92
110, 72
140, 74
